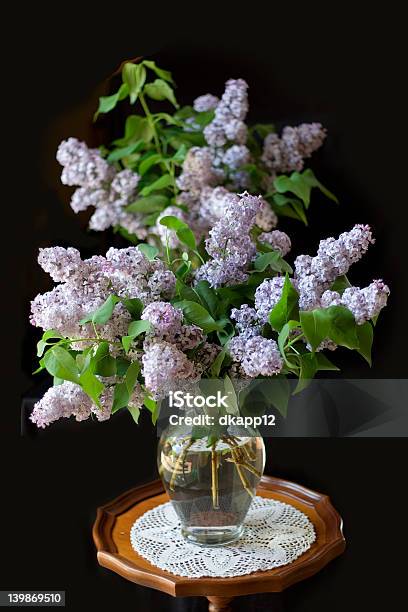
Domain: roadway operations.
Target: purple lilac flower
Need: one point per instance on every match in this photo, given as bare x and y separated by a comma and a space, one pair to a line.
278, 240
236, 156
99, 186
229, 243
334, 257
266, 218
205, 102
287, 153
267, 295
366, 303
61, 401
165, 319
164, 366
228, 123
198, 171
258, 356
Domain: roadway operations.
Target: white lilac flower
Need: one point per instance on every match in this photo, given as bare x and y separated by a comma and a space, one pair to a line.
167, 236
278, 240
164, 318
267, 295
205, 102
61, 401
303, 264
287, 153
164, 367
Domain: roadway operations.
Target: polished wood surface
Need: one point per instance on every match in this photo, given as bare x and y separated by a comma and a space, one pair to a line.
114, 550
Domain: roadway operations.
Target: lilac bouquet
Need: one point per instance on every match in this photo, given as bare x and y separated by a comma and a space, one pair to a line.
205, 290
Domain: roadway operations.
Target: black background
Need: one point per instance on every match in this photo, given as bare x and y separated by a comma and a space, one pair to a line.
340, 68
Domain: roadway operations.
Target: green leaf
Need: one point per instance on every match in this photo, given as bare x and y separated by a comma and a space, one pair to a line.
133, 305
137, 128
153, 407
340, 284
105, 364
180, 154
173, 223
208, 296
232, 399
217, 363
108, 103
135, 329
272, 259
123, 391
160, 90
122, 152
323, 363
283, 337
135, 412
152, 203
295, 183
308, 368
183, 232
60, 363
148, 162
122, 366
103, 313
186, 236
280, 393
310, 178
91, 385
148, 250
286, 308
197, 314
335, 322
365, 334
160, 183
163, 74
134, 76
47, 335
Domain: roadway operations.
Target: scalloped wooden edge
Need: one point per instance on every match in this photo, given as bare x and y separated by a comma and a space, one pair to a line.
329, 544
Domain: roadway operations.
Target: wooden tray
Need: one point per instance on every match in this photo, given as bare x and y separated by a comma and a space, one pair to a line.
115, 519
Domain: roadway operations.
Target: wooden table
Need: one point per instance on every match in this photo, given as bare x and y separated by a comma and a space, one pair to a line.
111, 533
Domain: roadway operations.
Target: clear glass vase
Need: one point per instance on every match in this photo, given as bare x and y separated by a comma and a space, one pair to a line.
210, 487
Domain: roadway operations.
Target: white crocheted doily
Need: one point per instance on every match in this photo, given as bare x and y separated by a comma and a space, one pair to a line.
275, 534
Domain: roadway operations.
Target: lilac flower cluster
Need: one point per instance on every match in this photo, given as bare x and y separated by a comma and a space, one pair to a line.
85, 285
314, 275
288, 152
100, 186
228, 123
258, 356
278, 240
68, 399
229, 243
165, 367
205, 103
364, 303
